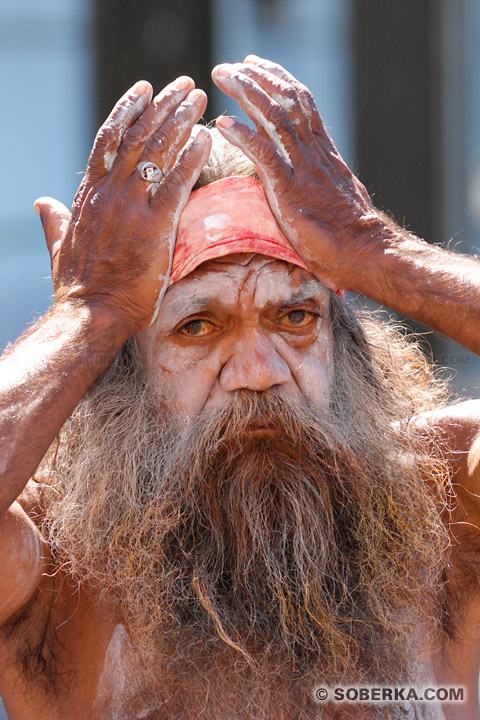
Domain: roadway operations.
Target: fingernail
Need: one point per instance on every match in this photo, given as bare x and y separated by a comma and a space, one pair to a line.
182, 83
140, 88
37, 207
223, 71
225, 121
195, 96
252, 59
201, 136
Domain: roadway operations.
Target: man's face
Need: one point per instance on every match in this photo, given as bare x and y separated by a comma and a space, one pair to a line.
244, 321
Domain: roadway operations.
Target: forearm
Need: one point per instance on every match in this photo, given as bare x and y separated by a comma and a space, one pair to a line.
429, 284
42, 378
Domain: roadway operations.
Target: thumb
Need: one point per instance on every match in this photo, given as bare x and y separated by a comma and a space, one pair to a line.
55, 217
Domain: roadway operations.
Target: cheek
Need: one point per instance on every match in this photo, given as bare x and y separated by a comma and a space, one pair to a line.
312, 368
314, 380
184, 382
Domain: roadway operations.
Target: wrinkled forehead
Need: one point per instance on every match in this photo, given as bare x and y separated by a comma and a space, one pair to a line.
260, 279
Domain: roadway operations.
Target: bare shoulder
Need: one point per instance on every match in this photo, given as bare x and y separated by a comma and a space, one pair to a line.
455, 432
24, 555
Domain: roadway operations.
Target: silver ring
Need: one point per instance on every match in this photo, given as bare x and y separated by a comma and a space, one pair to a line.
150, 172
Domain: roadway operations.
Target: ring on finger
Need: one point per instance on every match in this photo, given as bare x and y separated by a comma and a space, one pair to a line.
150, 172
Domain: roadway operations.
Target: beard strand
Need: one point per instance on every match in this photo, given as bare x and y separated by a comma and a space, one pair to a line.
305, 557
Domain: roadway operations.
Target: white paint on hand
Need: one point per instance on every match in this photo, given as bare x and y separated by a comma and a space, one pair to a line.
163, 281
126, 112
270, 128
285, 223
285, 102
108, 159
153, 187
261, 120
132, 107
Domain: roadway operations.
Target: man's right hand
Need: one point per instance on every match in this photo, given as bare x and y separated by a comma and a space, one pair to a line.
110, 263
114, 251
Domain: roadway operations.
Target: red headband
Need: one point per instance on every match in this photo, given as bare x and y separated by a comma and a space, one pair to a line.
228, 216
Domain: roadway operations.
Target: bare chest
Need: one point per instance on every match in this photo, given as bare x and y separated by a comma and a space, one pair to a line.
111, 682
92, 671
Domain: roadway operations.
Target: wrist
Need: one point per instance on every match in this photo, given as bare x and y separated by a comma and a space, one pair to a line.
370, 255
97, 316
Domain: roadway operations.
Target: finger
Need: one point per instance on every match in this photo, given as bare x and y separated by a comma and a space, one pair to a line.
108, 139
271, 119
284, 93
273, 68
150, 122
55, 217
305, 96
176, 188
280, 72
164, 145
268, 161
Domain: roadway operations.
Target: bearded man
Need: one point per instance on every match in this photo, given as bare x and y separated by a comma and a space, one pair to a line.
222, 488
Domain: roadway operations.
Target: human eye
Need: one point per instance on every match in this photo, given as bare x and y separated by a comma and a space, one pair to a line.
197, 328
298, 318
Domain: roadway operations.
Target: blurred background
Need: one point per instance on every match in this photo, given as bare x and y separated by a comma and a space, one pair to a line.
398, 85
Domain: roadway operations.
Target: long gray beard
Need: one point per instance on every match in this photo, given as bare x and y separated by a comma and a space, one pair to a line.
299, 560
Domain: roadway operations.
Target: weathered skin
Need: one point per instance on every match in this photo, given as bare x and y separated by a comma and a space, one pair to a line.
252, 323
109, 274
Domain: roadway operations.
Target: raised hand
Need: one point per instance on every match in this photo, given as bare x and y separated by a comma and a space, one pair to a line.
320, 205
114, 252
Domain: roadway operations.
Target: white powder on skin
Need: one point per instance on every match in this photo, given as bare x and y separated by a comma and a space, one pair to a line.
173, 155
132, 107
113, 679
260, 119
175, 366
285, 223
287, 103
153, 187
108, 159
163, 279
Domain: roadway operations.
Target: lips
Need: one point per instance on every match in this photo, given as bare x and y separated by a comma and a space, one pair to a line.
261, 427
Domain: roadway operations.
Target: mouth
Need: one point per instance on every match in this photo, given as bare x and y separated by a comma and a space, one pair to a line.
261, 428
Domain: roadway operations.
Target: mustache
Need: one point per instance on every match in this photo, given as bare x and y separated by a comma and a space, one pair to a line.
294, 419
305, 437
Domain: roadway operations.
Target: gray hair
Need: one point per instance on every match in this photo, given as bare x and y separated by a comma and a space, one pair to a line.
225, 160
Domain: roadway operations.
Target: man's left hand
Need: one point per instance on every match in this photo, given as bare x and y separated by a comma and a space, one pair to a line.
323, 209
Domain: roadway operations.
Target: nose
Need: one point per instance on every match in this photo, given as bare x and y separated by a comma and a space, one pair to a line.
254, 364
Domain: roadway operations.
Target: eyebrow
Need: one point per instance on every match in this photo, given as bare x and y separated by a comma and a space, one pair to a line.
190, 303
308, 290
